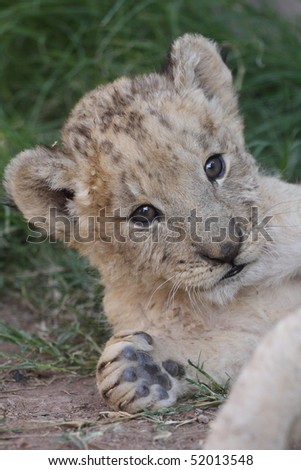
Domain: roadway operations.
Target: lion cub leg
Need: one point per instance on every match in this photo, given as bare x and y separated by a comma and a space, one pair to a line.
264, 407
135, 372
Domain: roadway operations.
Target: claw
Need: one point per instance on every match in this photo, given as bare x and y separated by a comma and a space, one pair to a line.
123, 404
103, 366
108, 392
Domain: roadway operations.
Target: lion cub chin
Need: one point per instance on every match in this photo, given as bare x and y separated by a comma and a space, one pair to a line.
200, 255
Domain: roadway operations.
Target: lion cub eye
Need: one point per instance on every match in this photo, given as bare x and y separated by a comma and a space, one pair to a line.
215, 167
144, 215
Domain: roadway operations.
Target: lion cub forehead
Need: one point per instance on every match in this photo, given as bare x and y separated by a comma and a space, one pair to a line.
139, 136
153, 138
137, 110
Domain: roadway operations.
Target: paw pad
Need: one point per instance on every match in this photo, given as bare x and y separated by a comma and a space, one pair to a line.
145, 336
129, 353
147, 370
131, 377
142, 391
173, 368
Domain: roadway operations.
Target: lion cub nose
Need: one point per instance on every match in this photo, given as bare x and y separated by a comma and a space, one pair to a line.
228, 252
220, 252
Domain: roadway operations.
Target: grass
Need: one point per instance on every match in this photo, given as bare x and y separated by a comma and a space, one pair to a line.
54, 51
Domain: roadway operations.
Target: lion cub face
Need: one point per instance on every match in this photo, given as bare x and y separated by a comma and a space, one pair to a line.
152, 177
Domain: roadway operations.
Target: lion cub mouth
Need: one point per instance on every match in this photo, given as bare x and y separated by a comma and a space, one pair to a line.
236, 269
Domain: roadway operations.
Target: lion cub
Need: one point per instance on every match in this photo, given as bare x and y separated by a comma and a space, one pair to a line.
200, 255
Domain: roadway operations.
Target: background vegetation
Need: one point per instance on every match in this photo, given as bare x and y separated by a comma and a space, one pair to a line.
52, 51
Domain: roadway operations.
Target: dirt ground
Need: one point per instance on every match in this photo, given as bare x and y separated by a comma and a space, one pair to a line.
57, 411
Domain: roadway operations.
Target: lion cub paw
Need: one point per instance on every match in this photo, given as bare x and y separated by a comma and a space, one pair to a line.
131, 375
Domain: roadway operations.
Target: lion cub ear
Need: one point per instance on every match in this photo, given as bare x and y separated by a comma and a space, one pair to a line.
40, 179
194, 62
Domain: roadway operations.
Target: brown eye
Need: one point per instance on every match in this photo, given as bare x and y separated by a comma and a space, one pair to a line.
215, 167
144, 215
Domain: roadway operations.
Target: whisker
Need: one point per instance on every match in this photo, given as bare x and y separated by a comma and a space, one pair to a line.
192, 302
282, 226
173, 292
292, 201
159, 287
